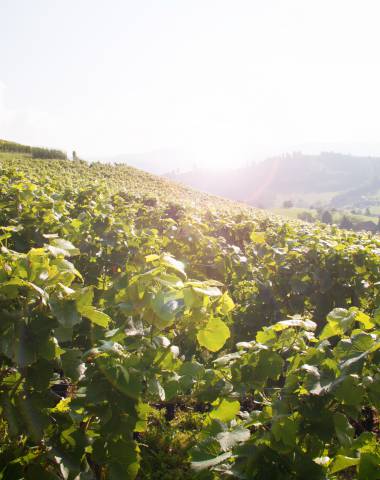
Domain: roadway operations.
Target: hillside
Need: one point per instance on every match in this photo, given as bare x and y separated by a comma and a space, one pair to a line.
114, 177
149, 332
329, 179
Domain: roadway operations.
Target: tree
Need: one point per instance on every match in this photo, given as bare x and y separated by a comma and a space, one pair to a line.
346, 223
327, 217
306, 216
288, 204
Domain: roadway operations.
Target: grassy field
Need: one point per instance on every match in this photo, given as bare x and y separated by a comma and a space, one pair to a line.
294, 212
375, 210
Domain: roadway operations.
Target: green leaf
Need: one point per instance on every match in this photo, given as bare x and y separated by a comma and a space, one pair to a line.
165, 306
155, 388
343, 429
208, 291
125, 460
190, 297
341, 462
170, 280
95, 316
59, 246
349, 391
84, 297
258, 237
192, 369
374, 392
214, 335
49, 349
24, 351
143, 410
365, 320
376, 316
72, 363
212, 462
19, 282
63, 406
269, 365
284, 429
266, 336
229, 439
152, 257
361, 342
63, 334
173, 264
66, 312
225, 304
226, 410
350, 348
338, 322
294, 323
369, 466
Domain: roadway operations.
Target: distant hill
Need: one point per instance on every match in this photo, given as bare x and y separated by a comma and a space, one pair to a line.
328, 179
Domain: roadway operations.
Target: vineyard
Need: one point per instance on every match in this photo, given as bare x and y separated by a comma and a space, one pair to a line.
149, 331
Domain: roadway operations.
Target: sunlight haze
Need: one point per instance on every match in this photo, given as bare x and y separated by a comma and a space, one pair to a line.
213, 83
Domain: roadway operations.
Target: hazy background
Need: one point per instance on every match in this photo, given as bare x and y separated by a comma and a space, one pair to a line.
173, 84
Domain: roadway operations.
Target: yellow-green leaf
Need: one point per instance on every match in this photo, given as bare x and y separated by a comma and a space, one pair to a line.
258, 237
365, 320
63, 406
341, 462
226, 304
95, 316
225, 410
214, 335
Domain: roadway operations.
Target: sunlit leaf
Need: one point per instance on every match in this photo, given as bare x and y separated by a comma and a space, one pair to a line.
214, 335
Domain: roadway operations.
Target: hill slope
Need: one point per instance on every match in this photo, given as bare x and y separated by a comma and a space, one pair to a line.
303, 178
114, 177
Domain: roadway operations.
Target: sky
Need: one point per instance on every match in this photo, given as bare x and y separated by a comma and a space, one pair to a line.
212, 83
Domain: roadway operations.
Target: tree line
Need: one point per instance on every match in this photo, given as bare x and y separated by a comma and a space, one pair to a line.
35, 152
345, 222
